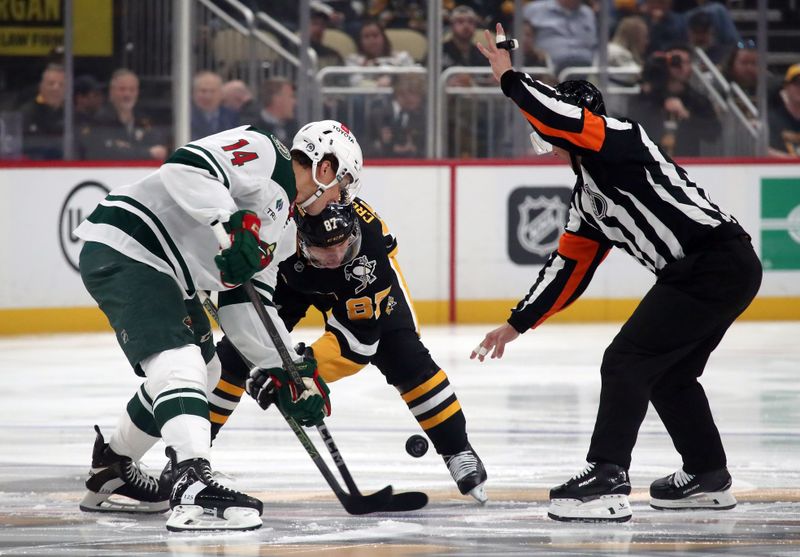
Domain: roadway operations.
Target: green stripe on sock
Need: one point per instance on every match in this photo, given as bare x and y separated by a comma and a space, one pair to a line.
180, 406
142, 418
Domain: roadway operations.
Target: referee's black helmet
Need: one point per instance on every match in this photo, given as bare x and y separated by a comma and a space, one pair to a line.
582, 93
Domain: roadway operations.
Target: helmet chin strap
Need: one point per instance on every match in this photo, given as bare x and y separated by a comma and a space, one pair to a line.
322, 188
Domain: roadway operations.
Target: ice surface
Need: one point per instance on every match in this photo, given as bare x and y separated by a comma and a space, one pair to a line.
530, 416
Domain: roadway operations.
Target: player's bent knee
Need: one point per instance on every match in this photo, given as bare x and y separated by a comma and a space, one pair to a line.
174, 369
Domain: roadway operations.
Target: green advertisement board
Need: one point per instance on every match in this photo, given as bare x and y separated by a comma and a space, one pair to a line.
780, 223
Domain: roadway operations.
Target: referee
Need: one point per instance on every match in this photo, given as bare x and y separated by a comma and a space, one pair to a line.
629, 194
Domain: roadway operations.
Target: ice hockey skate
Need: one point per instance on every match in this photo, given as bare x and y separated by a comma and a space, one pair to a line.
681, 490
468, 472
597, 494
201, 503
117, 484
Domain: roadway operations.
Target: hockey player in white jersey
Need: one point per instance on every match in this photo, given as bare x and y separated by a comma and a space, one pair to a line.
149, 249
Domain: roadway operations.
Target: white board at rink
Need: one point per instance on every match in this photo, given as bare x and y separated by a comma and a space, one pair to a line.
506, 217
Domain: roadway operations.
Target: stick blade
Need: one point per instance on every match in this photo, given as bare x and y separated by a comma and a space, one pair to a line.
407, 501
366, 504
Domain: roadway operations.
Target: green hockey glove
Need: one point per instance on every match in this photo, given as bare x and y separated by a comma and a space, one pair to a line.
247, 254
312, 405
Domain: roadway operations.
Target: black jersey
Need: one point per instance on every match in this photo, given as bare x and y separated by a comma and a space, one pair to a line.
630, 195
360, 300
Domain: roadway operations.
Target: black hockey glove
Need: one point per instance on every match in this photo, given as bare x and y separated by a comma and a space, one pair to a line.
261, 388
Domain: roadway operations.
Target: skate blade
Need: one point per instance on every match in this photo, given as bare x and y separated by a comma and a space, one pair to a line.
714, 500
479, 493
608, 508
103, 503
193, 518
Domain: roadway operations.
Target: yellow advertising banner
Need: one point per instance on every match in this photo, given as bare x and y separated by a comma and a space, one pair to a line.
36, 27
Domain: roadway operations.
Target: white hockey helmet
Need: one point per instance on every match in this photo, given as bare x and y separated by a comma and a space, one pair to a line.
329, 137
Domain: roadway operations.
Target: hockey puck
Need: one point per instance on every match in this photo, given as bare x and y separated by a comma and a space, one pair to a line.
416, 446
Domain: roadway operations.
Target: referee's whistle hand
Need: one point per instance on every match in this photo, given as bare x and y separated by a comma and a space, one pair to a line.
494, 342
498, 58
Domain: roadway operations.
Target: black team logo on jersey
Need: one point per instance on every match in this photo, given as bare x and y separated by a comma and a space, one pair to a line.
361, 270
536, 217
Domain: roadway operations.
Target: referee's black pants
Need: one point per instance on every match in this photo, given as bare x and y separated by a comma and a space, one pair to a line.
662, 349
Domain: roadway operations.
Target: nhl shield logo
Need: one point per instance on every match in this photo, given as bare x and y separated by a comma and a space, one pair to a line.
536, 218
540, 219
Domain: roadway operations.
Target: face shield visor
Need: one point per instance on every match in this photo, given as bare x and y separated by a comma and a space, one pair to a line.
330, 239
336, 255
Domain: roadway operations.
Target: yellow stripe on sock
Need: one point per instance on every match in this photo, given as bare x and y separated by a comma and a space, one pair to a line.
441, 416
230, 388
420, 390
217, 418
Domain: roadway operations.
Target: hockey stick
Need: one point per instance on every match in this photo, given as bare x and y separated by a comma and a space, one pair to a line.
408, 501
353, 503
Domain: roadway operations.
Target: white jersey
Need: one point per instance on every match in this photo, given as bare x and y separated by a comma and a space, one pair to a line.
164, 221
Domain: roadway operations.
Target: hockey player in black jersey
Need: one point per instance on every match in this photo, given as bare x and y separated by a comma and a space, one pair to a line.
346, 268
631, 195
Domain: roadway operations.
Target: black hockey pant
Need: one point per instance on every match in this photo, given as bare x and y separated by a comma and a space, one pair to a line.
662, 349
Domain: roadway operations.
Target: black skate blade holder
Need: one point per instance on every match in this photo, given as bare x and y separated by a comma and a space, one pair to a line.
354, 502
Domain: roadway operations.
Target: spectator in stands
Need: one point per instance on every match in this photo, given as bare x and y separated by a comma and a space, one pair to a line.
674, 113
120, 132
566, 29
43, 117
208, 114
532, 55
345, 14
236, 96
459, 49
375, 49
89, 99
467, 122
721, 20
741, 68
320, 19
627, 48
398, 132
277, 114
701, 35
666, 27
784, 117
402, 14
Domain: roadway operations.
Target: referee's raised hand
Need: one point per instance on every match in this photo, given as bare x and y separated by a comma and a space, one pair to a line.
499, 58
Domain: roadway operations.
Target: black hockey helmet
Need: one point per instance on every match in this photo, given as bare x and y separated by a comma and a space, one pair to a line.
331, 238
582, 93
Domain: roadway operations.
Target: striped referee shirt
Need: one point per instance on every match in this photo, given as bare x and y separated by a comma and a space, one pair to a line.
630, 195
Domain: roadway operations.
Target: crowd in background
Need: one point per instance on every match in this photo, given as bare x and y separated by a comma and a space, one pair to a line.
652, 41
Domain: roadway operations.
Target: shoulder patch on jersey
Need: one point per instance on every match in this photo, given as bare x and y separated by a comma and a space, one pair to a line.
390, 305
281, 147
361, 270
